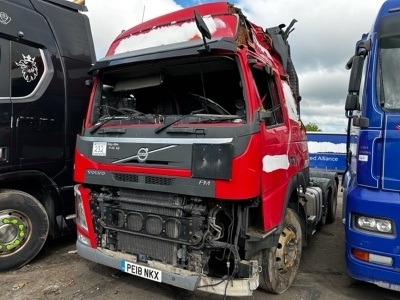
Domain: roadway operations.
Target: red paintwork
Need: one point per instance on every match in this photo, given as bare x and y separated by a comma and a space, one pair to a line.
85, 202
248, 178
244, 184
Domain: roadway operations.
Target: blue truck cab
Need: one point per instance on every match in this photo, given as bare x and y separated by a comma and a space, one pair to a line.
371, 182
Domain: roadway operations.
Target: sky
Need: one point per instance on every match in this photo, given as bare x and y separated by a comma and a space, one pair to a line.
322, 42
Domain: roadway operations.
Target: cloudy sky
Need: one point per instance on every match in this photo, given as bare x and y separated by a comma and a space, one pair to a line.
321, 44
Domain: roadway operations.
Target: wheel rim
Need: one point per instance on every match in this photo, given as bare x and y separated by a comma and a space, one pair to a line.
287, 251
15, 229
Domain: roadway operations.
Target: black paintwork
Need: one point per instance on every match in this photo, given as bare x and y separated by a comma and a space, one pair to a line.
38, 130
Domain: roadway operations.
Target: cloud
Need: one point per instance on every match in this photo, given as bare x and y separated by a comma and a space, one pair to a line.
326, 31
322, 42
109, 18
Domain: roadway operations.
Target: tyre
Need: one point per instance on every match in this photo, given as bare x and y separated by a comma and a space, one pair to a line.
332, 205
24, 226
280, 264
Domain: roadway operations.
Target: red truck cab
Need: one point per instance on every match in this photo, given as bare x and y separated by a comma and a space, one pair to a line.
193, 161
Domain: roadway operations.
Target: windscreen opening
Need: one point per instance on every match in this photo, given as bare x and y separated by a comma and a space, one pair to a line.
209, 86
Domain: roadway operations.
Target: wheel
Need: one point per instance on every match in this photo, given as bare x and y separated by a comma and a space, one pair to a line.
24, 226
332, 205
280, 264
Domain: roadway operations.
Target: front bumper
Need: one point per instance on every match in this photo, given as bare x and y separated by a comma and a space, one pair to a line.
379, 204
174, 276
381, 276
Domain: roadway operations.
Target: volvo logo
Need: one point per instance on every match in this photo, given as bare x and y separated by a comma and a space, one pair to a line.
142, 154
99, 173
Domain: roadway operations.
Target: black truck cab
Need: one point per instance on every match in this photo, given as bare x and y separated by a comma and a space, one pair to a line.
46, 50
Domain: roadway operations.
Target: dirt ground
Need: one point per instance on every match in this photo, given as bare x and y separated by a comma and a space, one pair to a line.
59, 273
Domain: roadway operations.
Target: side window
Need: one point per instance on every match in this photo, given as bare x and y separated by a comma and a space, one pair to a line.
4, 69
269, 95
27, 69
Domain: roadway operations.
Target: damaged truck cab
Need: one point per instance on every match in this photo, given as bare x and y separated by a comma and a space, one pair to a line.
192, 164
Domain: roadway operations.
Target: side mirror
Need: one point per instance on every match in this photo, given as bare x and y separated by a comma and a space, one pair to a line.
264, 115
361, 122
356, 74
352, 102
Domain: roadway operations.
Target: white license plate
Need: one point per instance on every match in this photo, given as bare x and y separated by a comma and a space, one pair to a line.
141, 271
99, 149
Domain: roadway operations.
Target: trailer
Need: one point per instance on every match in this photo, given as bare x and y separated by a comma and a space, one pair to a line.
327, 151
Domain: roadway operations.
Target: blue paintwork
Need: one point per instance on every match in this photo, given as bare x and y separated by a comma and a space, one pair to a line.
331, 155
372, 182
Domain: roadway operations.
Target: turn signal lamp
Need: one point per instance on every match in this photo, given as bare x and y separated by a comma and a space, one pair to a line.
372, 258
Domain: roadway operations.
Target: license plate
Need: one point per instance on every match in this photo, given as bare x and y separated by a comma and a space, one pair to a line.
141, 271
99, 149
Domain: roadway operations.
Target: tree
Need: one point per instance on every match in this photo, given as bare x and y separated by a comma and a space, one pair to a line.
312, 127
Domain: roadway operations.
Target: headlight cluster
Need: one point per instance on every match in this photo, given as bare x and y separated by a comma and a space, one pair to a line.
373, 224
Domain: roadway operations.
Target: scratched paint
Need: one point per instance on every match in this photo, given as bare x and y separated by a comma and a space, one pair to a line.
166, 35
290, 102
386, 285
275, 162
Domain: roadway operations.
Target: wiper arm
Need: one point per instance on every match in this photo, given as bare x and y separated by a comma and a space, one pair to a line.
162, 127
98, 126
210, 103
122, 111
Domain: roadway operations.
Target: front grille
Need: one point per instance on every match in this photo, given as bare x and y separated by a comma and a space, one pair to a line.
125, 177
156, 180
159, 180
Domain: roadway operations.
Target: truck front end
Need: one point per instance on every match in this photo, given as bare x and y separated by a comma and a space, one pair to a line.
163, 161
193, 154
159, 163
372, 181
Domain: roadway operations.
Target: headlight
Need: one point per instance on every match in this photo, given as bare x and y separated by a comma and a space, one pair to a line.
374, 224
80, 212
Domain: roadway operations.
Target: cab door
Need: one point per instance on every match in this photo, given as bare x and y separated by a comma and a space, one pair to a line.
391, 146
274, 134
38, 109
5, 106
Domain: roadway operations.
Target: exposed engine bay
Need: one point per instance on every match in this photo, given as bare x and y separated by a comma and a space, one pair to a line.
185, 232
